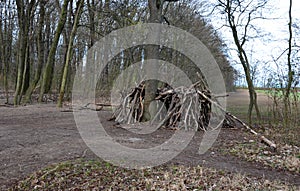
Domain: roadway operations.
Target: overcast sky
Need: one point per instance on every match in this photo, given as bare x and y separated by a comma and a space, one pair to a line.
264, 50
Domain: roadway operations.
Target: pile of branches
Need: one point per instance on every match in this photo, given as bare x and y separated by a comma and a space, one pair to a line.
181, 107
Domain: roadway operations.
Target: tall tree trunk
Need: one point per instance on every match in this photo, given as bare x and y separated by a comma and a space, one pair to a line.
106, 49
244, 61
91, 12
9, 42
252, 93
4, 53
40, 51
69, 53
155, 8
290, 71
66, 39
24, 15
48, 70
47, 39
21, 15
26, 71
156, 16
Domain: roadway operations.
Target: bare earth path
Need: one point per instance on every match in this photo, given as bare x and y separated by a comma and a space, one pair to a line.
35, 136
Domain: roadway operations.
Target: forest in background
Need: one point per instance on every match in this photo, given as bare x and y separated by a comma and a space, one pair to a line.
43, 42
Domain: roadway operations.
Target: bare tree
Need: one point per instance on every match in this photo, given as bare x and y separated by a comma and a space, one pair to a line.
239, 16
289, 64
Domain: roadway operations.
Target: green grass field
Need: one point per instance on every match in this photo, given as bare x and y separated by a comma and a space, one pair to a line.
278, 93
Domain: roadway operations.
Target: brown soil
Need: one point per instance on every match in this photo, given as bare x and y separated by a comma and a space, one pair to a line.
32, 137
241, 98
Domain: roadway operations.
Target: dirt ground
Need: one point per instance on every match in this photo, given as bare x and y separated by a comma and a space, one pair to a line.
34, 136
241, 98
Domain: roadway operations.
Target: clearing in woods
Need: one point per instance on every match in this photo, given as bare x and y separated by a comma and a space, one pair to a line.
35, 136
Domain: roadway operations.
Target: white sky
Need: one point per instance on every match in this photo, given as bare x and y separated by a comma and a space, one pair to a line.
275, 40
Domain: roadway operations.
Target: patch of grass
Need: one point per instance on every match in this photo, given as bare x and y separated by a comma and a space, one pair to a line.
72, 175
278, 93
88, 175
242, 113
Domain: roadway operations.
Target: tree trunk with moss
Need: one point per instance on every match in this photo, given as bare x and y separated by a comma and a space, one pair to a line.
26, 73
24, 16
69, 53
40, 51
48, 70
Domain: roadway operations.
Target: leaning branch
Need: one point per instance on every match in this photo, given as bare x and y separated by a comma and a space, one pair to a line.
229, 115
